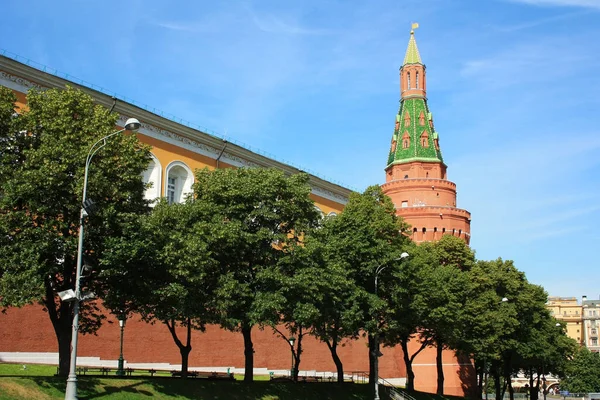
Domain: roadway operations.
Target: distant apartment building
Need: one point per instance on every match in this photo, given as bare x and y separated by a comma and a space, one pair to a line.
591, 320
569, 311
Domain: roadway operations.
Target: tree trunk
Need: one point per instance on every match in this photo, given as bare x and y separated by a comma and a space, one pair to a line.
184, 350
62, 322
440, 368
480, 376
497, 385
372, 368
533, 393
64, 352
336, 360
248, 353
408, 360
298, 355
508, 381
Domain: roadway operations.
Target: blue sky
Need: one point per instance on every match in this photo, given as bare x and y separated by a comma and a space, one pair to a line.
513, 86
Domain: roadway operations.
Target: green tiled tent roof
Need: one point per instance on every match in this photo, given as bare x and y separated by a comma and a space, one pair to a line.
412, 52
413, 107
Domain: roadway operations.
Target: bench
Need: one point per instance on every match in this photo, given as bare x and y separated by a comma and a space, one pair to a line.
190, 374
101, 370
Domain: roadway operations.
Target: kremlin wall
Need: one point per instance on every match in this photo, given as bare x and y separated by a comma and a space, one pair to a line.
416, 180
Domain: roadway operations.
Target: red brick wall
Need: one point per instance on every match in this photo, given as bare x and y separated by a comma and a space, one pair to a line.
29, 330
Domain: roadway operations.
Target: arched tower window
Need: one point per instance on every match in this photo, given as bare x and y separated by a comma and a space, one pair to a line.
408, 80
422, 118
393, 146
405, 140
406, 119
424, 139
417, 80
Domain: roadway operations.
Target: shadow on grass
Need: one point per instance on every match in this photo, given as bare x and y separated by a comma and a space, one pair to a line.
199, 389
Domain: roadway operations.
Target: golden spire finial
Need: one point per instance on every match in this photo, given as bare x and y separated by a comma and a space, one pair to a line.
414, 26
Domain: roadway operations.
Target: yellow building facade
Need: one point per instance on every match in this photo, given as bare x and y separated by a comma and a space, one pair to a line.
570, 312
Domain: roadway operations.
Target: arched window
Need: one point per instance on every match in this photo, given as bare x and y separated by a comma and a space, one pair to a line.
393, 146
179, 182
422, 118
417, 80
321, 213
408, 80
151, 178
424, 139
405, 140
406, 119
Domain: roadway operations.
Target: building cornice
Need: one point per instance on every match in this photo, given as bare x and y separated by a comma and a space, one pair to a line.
21, 77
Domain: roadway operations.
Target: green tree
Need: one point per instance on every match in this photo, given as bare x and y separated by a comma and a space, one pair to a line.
270, 212
166, 271
582, 374
546, 351
366, 236
442, 295
42, 159
405, 315
340, 303
483, 318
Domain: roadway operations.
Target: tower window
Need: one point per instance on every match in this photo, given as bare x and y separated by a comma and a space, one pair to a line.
404, 203
406, 177
417, 80
408, 80
393, 146
422, 119
424, 139
406, 119
405, 140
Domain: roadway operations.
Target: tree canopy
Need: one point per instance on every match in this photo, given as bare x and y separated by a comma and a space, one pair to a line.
43, 150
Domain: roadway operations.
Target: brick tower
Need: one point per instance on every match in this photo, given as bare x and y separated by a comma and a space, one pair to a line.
416, 177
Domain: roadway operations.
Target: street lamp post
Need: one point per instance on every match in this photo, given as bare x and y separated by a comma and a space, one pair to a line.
292, 340
376, 336
132, 124
122, 320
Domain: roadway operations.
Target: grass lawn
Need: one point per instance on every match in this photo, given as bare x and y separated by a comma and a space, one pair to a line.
38, 382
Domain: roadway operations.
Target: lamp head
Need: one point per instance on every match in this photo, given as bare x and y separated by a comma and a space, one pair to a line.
292, 340
504, 300
132, 124
404, 255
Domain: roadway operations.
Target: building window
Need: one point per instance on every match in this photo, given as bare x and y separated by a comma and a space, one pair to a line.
406, 120
417, 80
408, 80
179, 182
594, 342
404, 203
393, 146
151, 178
171, 190
594, 331
422, 119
